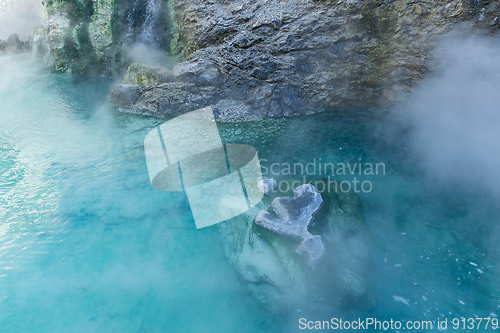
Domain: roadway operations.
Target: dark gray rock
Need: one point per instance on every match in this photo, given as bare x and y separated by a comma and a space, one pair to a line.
335, 54
286, 101
166, 99
201, 72
259, 74
230, 110
271, 66
245, 39
14, 42
12, 45
305, 66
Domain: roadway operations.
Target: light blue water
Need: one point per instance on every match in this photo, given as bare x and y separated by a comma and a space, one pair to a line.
87, 245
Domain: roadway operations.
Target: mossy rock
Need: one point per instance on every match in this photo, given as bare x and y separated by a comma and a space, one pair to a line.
144, 75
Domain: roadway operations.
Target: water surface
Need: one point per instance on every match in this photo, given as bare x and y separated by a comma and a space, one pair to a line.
87, 245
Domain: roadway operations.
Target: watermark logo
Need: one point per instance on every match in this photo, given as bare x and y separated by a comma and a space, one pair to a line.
187, 154
325, 176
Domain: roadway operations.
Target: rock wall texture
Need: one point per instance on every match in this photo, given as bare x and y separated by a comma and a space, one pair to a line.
91, 36
286, 58
270, 58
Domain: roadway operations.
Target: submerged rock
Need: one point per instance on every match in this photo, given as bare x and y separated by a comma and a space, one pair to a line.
230, 110
284, 59
279, 278
124, 95
295, 214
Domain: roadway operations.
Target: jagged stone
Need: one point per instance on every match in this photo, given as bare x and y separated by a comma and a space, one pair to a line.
144, 75
200, 72
13, 45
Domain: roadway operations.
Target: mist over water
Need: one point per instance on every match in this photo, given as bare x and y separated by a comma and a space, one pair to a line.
87, 245
454, 116
21, 22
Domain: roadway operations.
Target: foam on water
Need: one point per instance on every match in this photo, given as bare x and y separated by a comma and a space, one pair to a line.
87, 245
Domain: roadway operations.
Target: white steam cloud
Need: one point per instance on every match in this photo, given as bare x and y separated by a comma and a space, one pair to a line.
454, 117
21, 17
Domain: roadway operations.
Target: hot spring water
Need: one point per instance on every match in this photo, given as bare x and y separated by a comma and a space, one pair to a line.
87, 245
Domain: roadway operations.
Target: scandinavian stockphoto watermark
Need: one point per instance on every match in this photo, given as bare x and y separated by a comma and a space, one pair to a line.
186, 154
325, 176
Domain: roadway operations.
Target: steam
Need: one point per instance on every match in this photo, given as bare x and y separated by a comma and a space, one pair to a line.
21, 22
454, 116
148, 55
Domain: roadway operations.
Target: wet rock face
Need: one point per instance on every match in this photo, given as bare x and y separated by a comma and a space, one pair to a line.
276, 58
199, 72
288, 58
125, 94
166, 99
322, 54
274, 267
286, 101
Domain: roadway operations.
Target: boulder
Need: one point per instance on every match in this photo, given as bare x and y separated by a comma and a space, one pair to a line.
230, 110
13, 45
55, 29
279, 278
166, 99
124, 95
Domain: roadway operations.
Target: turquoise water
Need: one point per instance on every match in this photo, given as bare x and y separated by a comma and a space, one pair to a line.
87, 245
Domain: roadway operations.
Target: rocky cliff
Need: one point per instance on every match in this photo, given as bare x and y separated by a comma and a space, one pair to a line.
87, 36
286, 58
275, 58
